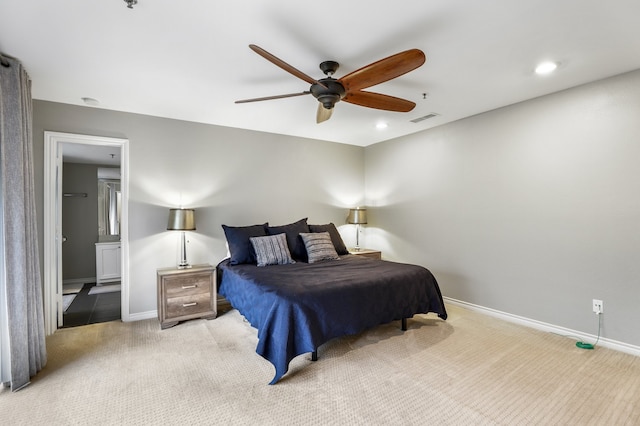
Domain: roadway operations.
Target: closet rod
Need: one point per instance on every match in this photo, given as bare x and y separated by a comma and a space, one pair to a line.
75, 194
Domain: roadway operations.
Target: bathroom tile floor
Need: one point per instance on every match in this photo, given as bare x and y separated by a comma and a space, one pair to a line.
92, 308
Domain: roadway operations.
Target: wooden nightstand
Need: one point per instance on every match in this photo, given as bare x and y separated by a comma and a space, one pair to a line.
374, 254
185, 294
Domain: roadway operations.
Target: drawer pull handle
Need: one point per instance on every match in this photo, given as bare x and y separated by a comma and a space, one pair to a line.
189, 286
186, 305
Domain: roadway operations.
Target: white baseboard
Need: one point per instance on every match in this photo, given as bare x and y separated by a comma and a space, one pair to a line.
539, 325
78, 281
142, 316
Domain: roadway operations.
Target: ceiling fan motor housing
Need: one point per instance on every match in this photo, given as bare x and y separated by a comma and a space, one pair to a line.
328, 92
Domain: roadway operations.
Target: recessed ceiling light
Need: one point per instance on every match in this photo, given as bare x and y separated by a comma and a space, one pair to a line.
546, 67
90, 101
381, 125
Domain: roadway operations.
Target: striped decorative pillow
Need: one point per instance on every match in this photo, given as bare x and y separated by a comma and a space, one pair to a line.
319, 246
272, 250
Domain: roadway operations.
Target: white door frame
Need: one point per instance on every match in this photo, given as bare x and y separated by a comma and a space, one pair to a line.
52, 222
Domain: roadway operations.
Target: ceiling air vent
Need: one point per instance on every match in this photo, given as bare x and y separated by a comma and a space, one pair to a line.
425, 117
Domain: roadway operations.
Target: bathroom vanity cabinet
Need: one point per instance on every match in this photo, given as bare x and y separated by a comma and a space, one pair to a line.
108, 268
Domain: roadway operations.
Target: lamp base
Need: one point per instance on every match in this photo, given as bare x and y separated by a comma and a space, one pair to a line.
183, 253
357, 247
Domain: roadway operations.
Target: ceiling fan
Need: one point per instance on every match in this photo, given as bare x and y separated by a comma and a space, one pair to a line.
329, 90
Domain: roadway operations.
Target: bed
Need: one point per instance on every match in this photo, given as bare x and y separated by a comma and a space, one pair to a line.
298, 305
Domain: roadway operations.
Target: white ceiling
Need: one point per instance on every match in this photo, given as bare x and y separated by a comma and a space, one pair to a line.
190, 59
91, 154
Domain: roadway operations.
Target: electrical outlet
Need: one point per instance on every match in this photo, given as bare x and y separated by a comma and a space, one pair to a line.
597, 306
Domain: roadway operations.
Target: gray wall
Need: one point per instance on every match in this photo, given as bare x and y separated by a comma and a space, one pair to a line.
532, 209
229, 176
79, 221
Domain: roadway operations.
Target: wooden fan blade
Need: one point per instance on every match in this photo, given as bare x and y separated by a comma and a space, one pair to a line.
268, 98
383, 70
282, 64
323, 113
379, 101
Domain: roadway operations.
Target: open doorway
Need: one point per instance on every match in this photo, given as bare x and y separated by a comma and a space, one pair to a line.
86, 261
91, 206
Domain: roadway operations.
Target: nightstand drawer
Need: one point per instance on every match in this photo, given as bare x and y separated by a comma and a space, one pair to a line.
185, 286
188, 305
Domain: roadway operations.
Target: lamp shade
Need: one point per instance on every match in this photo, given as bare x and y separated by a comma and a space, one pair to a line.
181, 220
357, 216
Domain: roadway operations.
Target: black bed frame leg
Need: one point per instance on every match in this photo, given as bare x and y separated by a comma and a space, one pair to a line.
404, 324
314, 355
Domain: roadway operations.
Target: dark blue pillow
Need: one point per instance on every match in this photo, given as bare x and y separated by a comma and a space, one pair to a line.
240, 246
293, 230
338, 243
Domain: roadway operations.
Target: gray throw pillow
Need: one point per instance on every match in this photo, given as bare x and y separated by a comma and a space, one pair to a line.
319, 246
341, 248
292, 230
271, 250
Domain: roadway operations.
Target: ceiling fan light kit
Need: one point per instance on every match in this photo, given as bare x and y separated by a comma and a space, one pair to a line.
328, 91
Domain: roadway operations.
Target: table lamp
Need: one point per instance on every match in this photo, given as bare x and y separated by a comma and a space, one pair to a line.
357, 216
182, 220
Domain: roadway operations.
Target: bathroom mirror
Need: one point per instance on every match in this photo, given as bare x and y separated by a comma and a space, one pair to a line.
109, 202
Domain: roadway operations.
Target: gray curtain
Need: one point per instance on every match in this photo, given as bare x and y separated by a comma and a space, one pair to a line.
22, 279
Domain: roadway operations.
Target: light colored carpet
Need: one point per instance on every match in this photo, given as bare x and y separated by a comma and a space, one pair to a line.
104, 289
470, 370
67, 299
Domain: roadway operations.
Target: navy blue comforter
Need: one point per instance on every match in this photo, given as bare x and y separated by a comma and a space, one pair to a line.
298, 307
